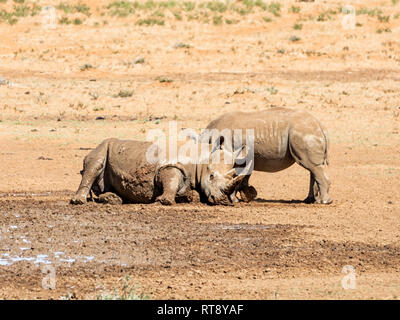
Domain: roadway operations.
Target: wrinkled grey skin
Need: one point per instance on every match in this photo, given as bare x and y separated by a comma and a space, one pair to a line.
282, 136
121, 167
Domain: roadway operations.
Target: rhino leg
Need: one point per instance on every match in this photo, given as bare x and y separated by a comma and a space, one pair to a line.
110, 198
309, 152
171, 180
247, 193
313, 194
312, 191
93, 166
188, 197
322, 183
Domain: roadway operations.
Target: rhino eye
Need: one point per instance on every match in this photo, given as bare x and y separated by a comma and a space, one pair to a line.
211, 176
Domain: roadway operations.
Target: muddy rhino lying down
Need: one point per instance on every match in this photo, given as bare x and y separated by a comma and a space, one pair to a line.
121, 167
282, 136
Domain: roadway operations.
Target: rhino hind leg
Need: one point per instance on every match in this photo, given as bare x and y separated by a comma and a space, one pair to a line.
170, 180
321, 186
312, 157
312, 191
93, 166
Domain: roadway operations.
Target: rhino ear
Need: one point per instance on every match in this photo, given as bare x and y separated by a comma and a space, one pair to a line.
218, 144
237, 154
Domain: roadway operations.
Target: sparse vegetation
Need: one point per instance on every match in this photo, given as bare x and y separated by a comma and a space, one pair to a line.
86, 66
20, 10
123, 94
77, 21
158, 12
138, 61
275, 8
188, 6
81, 8
294, 9
64, 20
126, 291
381, 30
371, 12
182, 45
383, 19
121, 8
231, 21
267, 19
150, 22
294, 38
297, 26
272, 90
217, 20
164, 80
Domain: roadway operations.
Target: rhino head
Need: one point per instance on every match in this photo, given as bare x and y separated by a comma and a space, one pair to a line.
219, 180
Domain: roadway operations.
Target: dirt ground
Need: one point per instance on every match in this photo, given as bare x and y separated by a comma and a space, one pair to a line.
65, 89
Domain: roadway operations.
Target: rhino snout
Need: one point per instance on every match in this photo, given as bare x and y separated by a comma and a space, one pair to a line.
224, 200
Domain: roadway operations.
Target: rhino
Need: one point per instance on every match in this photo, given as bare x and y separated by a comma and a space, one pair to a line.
282, 136
119, 171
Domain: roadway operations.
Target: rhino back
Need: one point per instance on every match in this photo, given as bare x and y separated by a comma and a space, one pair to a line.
129, 172
272, 128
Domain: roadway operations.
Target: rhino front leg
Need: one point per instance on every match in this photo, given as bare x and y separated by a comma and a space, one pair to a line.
247, 193
93, 166
170, 180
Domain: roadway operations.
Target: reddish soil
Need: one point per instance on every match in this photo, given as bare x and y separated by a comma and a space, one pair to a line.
275, 247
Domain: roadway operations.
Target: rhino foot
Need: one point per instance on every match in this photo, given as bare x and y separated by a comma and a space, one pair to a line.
166, 201
110, 198
77, 199
309, 200
248, 194
326, 201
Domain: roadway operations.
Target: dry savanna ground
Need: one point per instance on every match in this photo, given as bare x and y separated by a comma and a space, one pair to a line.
75, 73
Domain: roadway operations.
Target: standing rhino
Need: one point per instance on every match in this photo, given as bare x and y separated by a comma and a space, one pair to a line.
282, 136
122, 168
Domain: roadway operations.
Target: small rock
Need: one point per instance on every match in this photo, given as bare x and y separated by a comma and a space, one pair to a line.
44, 158
138, 61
